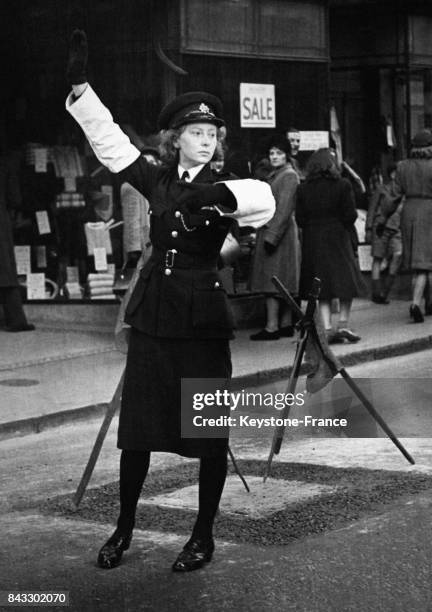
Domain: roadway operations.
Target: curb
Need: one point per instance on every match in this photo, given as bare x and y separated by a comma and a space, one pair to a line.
34, 425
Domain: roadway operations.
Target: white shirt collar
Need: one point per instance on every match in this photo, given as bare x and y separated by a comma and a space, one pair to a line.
192, 171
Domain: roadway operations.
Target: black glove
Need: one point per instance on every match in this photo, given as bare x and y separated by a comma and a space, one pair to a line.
77, 60
197, 195
269, 248
379, 230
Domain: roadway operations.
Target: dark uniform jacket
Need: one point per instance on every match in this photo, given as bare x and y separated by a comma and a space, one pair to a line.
179, 294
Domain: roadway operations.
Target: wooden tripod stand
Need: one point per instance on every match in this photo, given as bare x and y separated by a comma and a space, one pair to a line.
309, 331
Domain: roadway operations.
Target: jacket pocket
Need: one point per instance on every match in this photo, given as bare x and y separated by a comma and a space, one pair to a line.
210, 306
140, 289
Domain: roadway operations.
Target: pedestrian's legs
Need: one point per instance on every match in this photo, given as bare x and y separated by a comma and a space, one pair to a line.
418, 287
377, 292
344, 332
199, 549
325, 311
419, 283
345, 311
133, 470
15, 317
272, 308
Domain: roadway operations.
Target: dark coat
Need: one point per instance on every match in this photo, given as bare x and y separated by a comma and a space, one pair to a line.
8, 275
281, 231
189, 301
414, 181
325, 210
181, 321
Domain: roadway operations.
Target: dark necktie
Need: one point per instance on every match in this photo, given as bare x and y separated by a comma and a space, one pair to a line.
184, 176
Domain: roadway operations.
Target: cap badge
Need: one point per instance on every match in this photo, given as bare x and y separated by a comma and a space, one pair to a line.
203, 108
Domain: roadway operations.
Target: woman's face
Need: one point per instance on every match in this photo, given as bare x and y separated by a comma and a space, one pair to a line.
196, 144
277, 157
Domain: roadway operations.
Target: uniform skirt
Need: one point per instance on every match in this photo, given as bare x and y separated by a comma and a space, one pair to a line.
150, 415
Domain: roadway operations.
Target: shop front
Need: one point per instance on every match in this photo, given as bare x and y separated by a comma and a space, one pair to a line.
66, 209
381, 79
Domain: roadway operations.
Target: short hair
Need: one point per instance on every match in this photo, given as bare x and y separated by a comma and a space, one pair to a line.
292, 129
170, 153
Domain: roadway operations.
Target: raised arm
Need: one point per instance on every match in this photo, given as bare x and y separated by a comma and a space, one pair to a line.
110, 144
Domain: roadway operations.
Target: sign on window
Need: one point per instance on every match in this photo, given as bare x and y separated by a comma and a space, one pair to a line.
257, 105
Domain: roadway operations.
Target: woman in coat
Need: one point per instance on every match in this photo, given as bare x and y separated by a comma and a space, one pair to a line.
277, 251
179, 314
10, 295
414, 181
325, 211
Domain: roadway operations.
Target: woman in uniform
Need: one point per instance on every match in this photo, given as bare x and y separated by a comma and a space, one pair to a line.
179, 314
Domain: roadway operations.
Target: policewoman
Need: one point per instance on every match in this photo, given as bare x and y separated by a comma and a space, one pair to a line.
179, 314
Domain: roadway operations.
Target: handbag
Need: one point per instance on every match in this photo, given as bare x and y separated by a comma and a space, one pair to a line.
230, 250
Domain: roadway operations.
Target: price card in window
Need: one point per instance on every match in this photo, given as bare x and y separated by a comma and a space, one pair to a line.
36, 286
22, 258
72, 274
41, 256
70, 183
100, 255
41, 159
43, 223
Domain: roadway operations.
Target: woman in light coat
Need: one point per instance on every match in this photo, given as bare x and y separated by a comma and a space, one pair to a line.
277, 251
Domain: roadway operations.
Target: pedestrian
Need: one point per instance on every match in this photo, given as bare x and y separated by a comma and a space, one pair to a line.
179, 314
294, 138
10, 293
277, 249
413, 181
325, 211
387, 247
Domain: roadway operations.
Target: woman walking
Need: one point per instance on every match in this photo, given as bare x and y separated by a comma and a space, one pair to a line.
277, 251
414, 181
179, 314
325, 211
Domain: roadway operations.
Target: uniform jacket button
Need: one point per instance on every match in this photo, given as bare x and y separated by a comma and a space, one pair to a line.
167, 272
207, 222
177, 214
174, 234
216, 285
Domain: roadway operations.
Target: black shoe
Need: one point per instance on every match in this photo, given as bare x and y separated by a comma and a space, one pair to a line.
380, 299
286, 332
415, 314
348, 334
334, 337
428, 309
193, 556
20, 328
266, 335
111, 552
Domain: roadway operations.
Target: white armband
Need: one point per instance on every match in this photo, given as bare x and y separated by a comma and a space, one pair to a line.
110, 144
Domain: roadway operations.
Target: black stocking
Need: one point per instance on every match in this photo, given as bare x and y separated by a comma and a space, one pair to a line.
134, 466
211, 483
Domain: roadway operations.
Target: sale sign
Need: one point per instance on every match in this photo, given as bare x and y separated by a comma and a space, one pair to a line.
257, 105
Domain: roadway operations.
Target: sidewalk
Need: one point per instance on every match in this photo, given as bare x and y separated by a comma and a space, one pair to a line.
57, 374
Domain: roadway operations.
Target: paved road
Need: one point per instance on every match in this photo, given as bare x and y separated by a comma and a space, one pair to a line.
382, 563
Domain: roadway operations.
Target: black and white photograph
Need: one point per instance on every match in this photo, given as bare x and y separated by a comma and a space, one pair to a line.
216, 305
